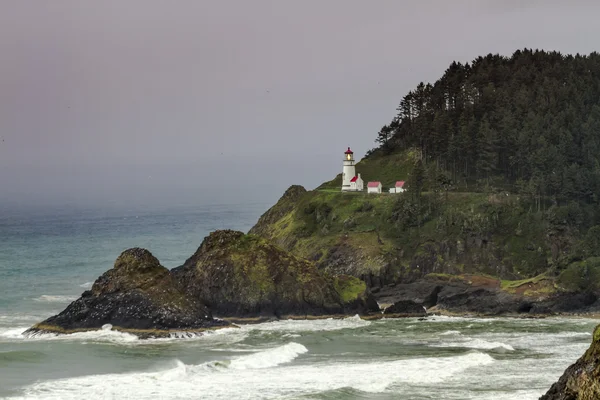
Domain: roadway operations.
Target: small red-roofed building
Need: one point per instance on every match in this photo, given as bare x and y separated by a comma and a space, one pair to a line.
374, 187
356, 184
398, 187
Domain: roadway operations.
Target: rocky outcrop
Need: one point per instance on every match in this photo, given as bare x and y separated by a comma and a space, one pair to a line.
138, 295
405, 308
480, 295
287, 203
581, 381
245, 276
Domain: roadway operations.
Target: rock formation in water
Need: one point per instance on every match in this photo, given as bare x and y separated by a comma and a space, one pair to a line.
581, 381
231, 274
238, 275
138, 295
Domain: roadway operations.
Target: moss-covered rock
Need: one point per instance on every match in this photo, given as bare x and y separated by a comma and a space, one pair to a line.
240, 275
138, 295
581, 381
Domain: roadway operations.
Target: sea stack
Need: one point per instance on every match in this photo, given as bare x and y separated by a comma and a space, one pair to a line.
138, 295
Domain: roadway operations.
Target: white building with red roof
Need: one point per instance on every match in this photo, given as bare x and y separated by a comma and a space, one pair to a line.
356, 184
374, 187
398, 187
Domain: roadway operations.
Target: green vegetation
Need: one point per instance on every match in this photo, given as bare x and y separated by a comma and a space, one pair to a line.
450, 233
528, 123
349, 288
502, 162
581, 275
508, 285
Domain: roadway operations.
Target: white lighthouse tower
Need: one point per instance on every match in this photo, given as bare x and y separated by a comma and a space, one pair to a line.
348, 171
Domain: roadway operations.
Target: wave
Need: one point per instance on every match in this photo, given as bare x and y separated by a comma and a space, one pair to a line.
478, 344
101, 335
450, 333
87, 285
269, 358
49, 298
225, 336
294, 326
13, 332
245, 377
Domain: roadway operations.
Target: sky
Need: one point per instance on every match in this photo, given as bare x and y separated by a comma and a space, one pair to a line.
130, 102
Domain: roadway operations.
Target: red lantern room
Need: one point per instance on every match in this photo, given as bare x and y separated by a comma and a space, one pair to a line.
349, 154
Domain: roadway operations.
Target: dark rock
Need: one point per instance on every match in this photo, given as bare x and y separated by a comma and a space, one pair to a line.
479, 300
452, 295
432, 299
137, 295
525, 307
581, 381
406, 308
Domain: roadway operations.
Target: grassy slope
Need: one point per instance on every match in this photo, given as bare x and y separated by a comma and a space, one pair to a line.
386, 169
483, 234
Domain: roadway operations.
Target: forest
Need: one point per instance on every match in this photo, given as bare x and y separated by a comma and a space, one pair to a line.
526, 124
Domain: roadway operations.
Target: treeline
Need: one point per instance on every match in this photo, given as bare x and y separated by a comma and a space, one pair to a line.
529, 122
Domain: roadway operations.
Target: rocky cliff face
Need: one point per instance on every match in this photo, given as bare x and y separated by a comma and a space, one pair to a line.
385, 239
137, 295
581, 381
239, 275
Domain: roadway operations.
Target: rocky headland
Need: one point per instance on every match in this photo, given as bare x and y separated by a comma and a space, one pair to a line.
471, 259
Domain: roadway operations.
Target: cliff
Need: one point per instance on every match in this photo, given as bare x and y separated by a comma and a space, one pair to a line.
245, 276
523, 259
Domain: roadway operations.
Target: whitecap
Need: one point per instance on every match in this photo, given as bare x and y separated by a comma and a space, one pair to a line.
55, 298
450, 333
87, 285
101, 335
269, 358
283, 379
12, 332
313, 325
479, 344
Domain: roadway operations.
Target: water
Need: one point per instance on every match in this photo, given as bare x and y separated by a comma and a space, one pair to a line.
48, 258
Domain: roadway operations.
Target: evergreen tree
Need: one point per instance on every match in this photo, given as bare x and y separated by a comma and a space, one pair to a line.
532, 118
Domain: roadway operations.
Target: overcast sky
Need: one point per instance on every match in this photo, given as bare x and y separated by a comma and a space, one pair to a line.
132, 101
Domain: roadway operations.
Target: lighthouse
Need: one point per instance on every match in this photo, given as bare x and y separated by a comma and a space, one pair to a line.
348, 171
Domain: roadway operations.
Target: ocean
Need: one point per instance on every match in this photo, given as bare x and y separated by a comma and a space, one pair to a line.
48, 257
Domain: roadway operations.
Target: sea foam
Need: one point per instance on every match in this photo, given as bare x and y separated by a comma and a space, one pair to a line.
49, 298
294, 326
476, 343
266, 374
